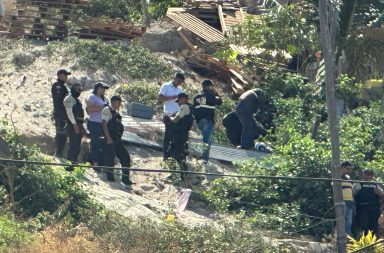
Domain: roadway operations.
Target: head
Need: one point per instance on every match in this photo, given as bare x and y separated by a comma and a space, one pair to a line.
207, 84
346, 168
99, 89
179, 79
76, 89
367, 175
116, 102
62, 75
182, 98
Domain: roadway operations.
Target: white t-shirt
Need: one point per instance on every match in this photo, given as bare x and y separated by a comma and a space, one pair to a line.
169, 90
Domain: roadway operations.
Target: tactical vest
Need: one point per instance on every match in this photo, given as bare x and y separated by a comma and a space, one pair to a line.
115, 126
78, 112
185, 124
367, 196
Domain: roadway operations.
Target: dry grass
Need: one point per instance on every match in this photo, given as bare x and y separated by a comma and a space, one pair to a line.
60, 240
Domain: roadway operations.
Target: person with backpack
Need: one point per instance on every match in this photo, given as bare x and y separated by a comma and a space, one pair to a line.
205, 104
182, 124
113, 129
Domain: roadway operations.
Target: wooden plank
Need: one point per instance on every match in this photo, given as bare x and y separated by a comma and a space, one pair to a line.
222, 21
238, 76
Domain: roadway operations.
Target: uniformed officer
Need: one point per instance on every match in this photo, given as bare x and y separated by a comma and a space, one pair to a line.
182, 122
113, 129
59, 92
75, 121
367, 198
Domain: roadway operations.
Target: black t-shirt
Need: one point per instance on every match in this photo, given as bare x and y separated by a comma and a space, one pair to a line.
59, 92
205, 104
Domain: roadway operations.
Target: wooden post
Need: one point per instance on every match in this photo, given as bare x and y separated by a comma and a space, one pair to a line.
11, 188
144, 6
221, 17
328, 13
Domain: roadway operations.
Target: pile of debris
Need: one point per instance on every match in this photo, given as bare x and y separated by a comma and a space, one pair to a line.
47, 20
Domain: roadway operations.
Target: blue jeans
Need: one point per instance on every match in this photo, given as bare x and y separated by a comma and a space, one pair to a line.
96, 132
348, 215
206, 128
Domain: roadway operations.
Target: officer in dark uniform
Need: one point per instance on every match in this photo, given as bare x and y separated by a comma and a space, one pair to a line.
59, 92
113, 129
367, 199
75, 121
251, 102
182, 122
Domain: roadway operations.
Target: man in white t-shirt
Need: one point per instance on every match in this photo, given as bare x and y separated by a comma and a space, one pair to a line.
168, 95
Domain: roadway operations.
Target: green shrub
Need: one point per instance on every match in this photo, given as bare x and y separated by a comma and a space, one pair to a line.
42, 188
12, 234
141, 92
123, 58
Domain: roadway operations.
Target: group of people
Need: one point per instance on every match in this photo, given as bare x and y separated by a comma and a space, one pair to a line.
106, 129
242, 125
361, 201
104, 125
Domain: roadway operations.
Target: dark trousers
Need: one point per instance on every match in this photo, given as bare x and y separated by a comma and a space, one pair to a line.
61, 136
179, 149
233, 128
368, 217
110, 152
74, 143
95, 131
168, 136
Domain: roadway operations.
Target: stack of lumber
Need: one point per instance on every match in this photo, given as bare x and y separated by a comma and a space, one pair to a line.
208, 19
47, 20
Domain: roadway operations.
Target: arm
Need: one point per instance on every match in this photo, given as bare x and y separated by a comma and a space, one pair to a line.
106, 115
184, 111
68, 104
162, 95
163, 98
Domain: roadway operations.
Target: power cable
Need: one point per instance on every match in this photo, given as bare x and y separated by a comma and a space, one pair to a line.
262, 177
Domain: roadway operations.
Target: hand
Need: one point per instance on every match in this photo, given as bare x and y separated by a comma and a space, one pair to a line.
76, 128
173, 98
109, 141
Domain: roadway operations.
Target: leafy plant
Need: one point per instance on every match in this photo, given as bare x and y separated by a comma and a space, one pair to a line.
365, 240
12, 234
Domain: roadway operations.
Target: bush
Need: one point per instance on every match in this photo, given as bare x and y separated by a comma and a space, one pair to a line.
41, 188
12, 234
121, 58
142, 235
141, 92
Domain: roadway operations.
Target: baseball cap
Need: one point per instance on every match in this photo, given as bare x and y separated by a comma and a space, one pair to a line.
207, 82
181, 95
116, 98
101, 85
63, 71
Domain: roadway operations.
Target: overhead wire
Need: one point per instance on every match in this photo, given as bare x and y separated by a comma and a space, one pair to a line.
108, 168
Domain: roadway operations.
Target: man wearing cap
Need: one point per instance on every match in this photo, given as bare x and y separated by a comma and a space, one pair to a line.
167, 95
182, 123
113, 129
367, 198
59, 92
205, 104
95, 104
250, 103
75, 121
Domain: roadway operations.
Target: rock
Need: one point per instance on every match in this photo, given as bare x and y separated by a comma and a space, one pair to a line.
27, 108
147, 187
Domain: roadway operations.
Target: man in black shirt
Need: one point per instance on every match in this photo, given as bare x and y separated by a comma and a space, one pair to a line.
59, 92
367, 199
251, 102
204, 110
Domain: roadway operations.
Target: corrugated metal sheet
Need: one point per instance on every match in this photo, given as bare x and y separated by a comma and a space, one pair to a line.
196, 26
